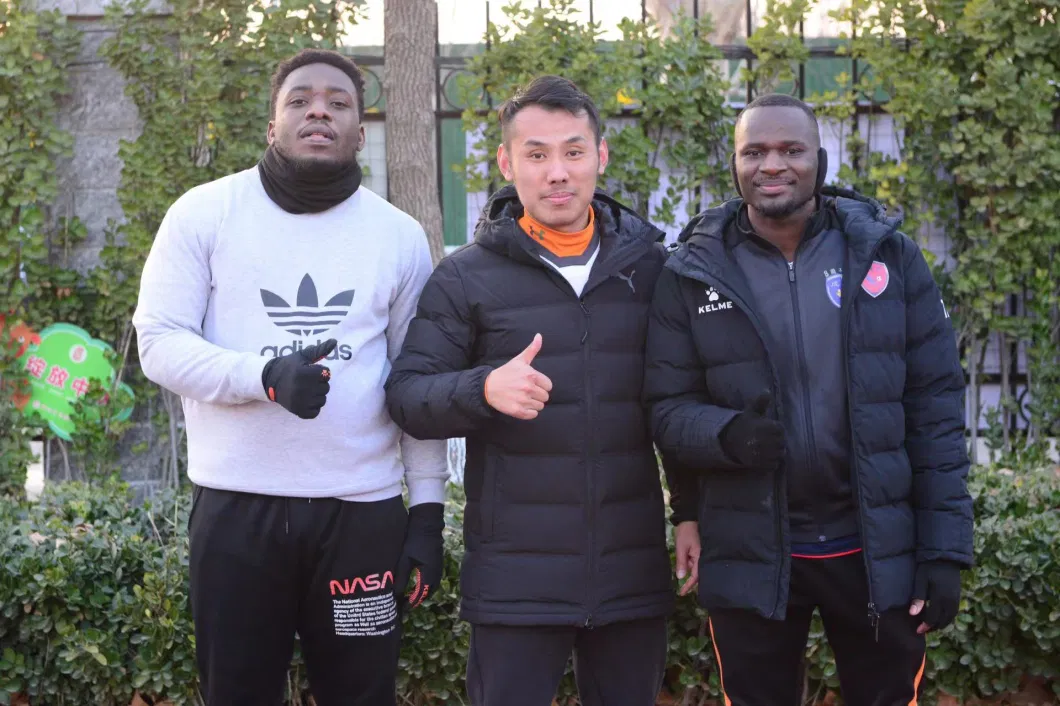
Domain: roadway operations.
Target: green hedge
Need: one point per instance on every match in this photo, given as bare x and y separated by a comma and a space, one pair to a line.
93, 593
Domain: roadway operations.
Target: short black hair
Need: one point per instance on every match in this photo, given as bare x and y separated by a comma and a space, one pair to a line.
551, 93
780, 100
317, 56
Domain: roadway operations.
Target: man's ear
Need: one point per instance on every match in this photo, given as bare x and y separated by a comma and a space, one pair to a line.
603, 156
270, 132
361, 138
504, 163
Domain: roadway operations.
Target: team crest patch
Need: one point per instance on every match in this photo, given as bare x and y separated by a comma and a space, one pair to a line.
833, 285
877, 279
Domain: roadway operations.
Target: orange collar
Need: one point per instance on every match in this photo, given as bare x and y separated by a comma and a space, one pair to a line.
558, 243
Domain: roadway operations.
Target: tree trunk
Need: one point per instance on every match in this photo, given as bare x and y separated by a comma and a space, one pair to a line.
409, 84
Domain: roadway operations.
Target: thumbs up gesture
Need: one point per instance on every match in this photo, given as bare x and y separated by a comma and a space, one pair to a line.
515, 388
296, 381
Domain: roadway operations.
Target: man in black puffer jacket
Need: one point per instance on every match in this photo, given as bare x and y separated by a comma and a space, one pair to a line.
530, 342
802, 367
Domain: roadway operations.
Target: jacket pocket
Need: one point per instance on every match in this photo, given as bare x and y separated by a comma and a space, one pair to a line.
488, 512
482, 493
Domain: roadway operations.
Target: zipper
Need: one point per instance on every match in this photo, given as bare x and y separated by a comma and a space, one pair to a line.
810, 436
778, 487
588, 457
617, 260
853, 287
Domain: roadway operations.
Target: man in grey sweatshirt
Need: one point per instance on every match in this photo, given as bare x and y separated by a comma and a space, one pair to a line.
273, 302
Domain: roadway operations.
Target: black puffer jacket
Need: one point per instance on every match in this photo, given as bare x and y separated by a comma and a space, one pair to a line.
564, 522
707, 361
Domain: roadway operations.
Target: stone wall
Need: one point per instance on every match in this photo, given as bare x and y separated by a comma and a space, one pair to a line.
99, 116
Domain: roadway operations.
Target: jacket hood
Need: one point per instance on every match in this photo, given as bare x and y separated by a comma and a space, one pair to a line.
498, 225
863, 220
857, 214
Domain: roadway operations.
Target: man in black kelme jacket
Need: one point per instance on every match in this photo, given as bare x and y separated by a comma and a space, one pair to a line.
529, 342
803, 370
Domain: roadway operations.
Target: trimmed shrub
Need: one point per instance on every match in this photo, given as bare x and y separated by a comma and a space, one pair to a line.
94, 607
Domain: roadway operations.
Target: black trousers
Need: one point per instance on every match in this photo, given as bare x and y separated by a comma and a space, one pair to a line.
264, 568
760, 660
620, 664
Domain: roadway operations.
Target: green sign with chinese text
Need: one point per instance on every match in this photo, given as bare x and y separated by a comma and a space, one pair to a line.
59, 368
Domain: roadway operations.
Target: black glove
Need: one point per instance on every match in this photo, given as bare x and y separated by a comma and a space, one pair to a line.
752, 439
938, 583
422, 552
296, 383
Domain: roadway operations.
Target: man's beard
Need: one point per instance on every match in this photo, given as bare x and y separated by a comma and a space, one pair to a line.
308, 165
782, 210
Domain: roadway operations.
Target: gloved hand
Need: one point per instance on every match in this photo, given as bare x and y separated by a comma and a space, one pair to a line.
938, 583
295, 382
422, 554
752, 439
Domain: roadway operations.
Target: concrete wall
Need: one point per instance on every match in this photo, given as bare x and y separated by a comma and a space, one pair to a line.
99, 115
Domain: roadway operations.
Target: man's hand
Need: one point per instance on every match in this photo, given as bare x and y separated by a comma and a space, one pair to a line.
422, 554
938, 583
686, 540
295, 382
754, 440
515, 388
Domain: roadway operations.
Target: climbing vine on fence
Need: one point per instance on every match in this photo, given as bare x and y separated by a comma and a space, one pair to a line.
976, 87
36, 283
199, 77
663, 100
973, 87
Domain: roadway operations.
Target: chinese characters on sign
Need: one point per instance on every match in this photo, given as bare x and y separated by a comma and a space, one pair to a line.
61, 365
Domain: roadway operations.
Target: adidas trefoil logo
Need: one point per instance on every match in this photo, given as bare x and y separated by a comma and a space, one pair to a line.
306, 317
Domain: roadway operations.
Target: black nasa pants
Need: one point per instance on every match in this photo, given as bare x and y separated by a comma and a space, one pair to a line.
264, 568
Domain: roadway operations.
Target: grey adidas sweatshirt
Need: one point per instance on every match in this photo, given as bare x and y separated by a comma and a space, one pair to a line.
233, 280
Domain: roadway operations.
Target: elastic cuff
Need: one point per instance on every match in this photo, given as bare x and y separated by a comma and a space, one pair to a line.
478, 376
426, 490
679, 516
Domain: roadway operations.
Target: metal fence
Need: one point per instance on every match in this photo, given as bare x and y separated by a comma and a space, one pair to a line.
735, 21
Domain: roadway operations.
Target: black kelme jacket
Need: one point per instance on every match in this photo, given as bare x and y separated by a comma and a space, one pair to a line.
716, 343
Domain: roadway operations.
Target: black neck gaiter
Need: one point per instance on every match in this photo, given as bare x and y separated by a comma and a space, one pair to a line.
314, 189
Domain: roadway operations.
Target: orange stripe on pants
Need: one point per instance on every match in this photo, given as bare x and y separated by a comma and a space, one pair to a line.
916, 682
721, 674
